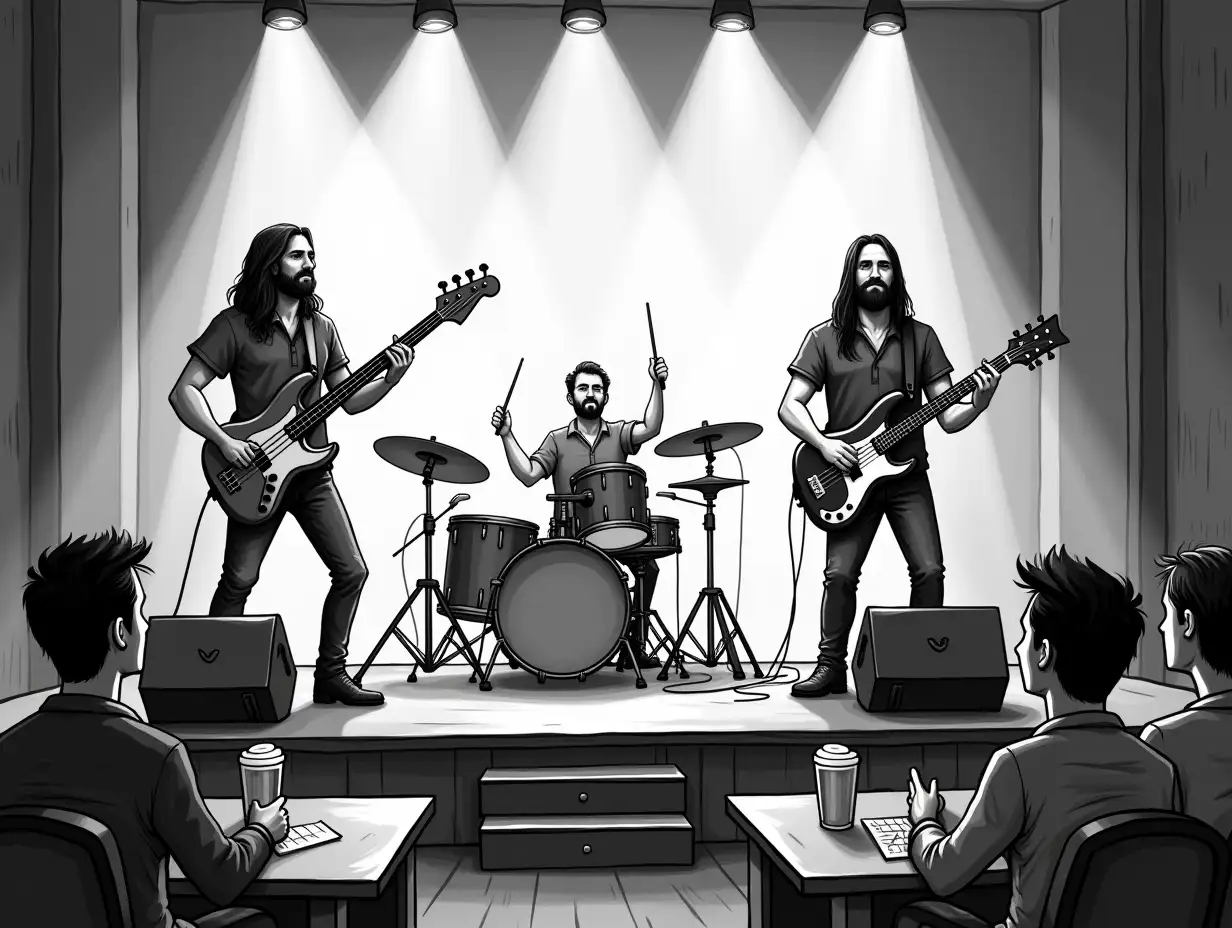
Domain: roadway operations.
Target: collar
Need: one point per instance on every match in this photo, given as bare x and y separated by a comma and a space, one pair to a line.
572, 428
79, 702
1090, 719
1214, 701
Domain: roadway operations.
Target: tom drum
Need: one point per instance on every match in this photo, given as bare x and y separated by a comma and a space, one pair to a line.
480, 547
617, 519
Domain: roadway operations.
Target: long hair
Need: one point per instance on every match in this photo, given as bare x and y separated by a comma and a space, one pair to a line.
254, 292
845, 315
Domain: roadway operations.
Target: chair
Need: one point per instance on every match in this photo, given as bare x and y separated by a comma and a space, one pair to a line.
1142, 868
44, 850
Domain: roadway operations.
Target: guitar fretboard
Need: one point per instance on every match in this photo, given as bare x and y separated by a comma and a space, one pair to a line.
927, 413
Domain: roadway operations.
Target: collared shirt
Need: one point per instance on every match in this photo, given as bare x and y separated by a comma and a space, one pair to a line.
96, 757
1198, 740
258, 369
565, 451
853, 387
1035, 794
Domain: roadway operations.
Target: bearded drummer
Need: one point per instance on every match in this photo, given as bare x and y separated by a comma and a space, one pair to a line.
590, 439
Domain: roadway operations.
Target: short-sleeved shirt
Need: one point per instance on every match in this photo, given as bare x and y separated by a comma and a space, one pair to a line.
564, 452
1199, 742
258, 369
852, 387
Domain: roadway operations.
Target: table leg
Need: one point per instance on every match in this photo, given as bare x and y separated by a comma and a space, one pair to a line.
759, 888
854, 911
327, 913
406, 905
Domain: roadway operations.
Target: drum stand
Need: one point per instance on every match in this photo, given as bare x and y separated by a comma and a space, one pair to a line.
641, 625
428, 658
717, 606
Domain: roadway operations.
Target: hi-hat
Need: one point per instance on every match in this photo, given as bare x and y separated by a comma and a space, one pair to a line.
416, 455
718, 437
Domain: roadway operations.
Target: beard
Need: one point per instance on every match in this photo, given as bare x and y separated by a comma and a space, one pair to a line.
298, 287
589, 408
873, 296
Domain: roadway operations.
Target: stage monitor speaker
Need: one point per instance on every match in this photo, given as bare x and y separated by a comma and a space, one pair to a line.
215, 669
950, 659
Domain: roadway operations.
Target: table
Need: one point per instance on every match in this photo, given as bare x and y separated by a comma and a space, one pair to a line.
797, 867
376, 854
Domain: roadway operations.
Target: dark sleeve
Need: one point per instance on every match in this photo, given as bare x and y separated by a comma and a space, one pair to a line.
220, 867
933, 361
627, 444
335, 355
810, 362
547, 455
992, 823
217, 346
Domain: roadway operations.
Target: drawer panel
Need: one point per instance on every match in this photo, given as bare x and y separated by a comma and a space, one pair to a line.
585, 842
583, 791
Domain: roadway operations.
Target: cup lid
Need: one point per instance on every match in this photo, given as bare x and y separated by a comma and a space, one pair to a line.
258, 749
836, 755
264, 753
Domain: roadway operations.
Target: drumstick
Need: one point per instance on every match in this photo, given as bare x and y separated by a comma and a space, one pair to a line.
653, 350
509, 396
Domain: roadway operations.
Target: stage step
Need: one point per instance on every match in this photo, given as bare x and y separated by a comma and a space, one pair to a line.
549, 842
647, 789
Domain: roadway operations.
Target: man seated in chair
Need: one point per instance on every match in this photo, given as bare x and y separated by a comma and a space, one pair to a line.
1197, 631
87, 752
1079, 631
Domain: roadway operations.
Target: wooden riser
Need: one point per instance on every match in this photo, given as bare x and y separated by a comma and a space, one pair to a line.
598, 790
585, 841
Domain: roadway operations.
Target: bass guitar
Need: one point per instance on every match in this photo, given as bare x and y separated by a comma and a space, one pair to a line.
832, 498
251, 494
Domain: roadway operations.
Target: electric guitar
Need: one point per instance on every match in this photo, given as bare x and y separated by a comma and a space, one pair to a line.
832, 499
251, 494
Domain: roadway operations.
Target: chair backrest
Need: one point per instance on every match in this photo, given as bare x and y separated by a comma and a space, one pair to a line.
60, 868
1140, 868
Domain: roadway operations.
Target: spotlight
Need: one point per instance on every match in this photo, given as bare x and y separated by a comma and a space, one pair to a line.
583, 15
435, 15
731, 15
885, 17
284, 14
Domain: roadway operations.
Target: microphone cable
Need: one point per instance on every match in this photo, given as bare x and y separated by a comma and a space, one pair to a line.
774, 674
192, 545
406, 585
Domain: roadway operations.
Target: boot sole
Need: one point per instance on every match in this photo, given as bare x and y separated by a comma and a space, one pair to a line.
828, 691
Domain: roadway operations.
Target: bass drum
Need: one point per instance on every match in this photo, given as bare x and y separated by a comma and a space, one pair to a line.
562, 608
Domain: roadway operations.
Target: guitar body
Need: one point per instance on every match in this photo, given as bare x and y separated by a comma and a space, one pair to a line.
832, 499
252, 495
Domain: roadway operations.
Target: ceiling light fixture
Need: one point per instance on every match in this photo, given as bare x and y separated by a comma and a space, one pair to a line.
435, 16
284, 14
583, 15
731, 15
885, 17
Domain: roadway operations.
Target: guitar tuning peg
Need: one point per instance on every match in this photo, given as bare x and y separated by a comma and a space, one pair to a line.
1039, 318
1017, 333
1051, 356
1031, 366
457, 279
1028, 327
470, 274
483, 269
444, 286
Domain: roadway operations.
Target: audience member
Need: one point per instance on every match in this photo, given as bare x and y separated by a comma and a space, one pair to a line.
85, 751
1197, 632
1080, 629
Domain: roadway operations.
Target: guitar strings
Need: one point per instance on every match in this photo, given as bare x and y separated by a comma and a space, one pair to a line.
283, 440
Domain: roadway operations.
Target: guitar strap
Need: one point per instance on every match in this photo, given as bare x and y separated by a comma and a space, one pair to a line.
907, 346
310, 336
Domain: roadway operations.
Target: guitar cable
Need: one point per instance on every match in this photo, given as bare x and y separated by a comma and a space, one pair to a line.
192, 545
774, 674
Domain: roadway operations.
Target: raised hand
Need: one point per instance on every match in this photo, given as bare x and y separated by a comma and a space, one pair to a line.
502, 422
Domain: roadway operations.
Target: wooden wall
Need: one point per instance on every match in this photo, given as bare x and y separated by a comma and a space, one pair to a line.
14, 409
712, 774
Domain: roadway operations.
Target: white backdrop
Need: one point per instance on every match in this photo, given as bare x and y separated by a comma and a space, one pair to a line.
732, 219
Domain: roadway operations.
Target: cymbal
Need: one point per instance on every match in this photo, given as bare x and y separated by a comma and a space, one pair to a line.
712, 483
415, 454
693, 442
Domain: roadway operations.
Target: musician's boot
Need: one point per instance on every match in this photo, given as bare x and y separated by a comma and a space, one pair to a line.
340, 688
827, 680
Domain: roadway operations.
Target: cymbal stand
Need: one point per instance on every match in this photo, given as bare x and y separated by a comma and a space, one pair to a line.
427, 658
717, 607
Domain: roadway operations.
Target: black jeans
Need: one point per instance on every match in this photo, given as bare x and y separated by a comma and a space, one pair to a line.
314, 501
907, 503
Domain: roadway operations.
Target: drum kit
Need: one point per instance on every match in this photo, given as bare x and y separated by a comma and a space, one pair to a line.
560, 606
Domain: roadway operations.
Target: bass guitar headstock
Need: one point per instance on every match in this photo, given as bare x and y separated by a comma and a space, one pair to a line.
1033, 345
455, 305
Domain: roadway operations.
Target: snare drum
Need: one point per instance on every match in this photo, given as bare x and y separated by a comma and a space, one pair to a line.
562, 608
480, 547
617, 519
664, 539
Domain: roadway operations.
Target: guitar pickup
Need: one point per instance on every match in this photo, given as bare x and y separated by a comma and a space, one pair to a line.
814, 483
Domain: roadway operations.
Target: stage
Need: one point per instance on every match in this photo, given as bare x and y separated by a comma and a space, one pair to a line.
437, 737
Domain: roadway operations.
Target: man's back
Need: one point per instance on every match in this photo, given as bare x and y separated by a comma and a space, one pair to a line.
1198, 741
1038, 792
95, 756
